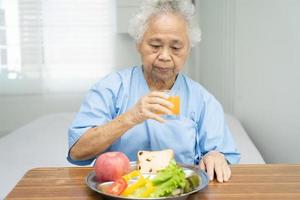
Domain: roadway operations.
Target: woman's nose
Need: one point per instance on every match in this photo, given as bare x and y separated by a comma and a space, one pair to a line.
164, 55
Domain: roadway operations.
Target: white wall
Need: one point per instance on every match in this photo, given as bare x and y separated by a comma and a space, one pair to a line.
256, 44
268, 75
126, 54
215, 55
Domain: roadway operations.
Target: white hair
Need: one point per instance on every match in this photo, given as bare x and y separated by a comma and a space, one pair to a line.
185, 8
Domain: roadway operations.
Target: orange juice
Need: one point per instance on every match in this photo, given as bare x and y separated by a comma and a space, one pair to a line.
175, 100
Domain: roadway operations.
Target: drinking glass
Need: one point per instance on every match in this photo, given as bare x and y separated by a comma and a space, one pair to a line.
175, 100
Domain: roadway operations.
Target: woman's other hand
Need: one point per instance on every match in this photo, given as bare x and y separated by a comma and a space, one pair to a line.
214, 162
151, 106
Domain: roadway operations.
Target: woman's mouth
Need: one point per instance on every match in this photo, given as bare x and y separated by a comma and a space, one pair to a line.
163, 69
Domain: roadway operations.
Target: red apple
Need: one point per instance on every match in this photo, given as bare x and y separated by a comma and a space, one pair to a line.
111, 165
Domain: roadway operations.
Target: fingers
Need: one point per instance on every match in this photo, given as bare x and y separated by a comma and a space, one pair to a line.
156, 104
215, 163
160, 101
223, 172
159, 109
158, 94
227, 173
156, 117
220, 173
202, 165
158, 97
152, 106
210, 168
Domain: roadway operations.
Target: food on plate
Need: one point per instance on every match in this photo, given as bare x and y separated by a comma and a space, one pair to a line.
141, 182
117, 187
111, 166
157, 175
171, 180
191, 182
131, 175
153, 161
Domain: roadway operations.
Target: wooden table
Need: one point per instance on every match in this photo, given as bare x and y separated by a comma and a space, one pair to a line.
248, 182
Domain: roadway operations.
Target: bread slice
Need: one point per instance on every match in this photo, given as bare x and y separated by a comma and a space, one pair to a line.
153, 161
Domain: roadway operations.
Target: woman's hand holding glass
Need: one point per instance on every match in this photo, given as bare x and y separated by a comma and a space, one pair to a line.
151, 106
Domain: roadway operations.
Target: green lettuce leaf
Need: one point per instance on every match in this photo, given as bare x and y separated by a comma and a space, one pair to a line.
167, 180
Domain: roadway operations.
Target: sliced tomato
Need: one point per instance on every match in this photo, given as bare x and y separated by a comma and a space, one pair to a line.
117, 187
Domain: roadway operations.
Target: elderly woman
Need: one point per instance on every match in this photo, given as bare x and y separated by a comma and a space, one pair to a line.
128, 111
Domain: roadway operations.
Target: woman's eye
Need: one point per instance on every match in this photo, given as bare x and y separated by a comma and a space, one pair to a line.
176, 48
154, 46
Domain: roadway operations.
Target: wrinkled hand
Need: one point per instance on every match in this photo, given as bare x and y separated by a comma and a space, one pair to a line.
151, 106
215, 161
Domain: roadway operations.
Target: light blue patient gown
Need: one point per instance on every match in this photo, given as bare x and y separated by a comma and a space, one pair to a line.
198, 129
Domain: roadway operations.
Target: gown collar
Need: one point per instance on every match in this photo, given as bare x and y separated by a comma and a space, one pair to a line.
175, 88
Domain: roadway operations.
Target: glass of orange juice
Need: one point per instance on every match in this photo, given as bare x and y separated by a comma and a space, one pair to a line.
175, 100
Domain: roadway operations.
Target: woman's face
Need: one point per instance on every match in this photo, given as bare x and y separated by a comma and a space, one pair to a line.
164, 47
